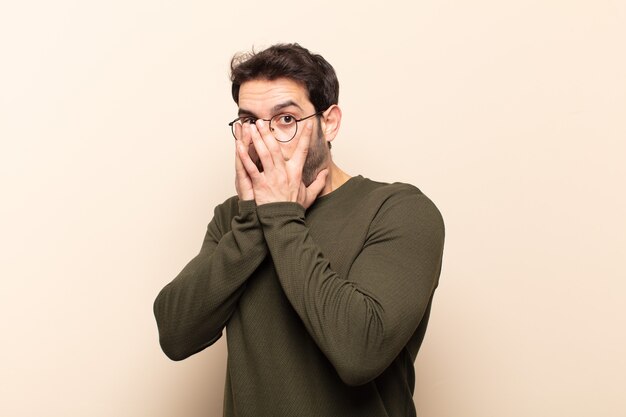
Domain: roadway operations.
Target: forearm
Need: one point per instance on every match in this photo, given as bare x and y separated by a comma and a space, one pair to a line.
192, 310
363, 320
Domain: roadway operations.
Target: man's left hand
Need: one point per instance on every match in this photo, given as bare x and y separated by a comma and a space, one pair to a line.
281, 180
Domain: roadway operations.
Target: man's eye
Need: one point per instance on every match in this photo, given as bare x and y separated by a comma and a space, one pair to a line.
247, 120
285, 119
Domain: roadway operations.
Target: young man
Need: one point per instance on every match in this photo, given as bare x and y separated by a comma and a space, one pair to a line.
323, 281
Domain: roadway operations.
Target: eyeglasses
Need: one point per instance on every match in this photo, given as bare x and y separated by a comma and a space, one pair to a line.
283, 126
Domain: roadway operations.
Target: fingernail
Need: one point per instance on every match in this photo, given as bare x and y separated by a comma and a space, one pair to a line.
261, 122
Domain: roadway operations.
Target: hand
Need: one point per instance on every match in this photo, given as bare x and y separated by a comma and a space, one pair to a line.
280, 180
243, 184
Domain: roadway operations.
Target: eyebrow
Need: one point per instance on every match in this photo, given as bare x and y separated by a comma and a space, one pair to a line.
275, 109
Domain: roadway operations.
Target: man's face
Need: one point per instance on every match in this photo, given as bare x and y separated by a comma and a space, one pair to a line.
264, 99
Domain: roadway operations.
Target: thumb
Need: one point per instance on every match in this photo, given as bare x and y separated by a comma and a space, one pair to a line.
316, 187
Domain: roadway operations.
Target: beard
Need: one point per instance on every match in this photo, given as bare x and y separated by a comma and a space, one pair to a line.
315, 161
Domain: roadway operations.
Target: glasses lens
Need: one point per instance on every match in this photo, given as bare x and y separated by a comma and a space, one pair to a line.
283, 127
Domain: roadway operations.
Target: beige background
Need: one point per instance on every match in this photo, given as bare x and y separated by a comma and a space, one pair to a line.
510, 115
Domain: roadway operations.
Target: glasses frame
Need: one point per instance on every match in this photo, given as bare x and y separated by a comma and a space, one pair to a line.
254, 120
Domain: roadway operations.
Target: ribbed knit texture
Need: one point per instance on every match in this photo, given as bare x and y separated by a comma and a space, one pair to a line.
325, 310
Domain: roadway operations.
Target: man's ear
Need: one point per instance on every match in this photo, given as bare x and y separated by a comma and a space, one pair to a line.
331, 121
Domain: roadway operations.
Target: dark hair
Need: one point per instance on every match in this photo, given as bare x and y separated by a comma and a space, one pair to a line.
290, 61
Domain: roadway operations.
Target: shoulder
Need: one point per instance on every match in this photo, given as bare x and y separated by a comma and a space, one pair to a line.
227, 207
402, 206
400, 196
224, 212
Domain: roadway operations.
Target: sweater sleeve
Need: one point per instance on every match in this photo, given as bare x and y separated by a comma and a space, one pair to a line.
192, 310
360, 321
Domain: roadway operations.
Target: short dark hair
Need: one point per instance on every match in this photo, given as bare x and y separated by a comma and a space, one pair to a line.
290, 61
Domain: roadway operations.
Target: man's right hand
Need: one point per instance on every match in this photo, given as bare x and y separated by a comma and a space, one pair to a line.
243, 183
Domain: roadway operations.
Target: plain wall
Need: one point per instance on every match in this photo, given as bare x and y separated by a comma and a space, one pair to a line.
115, 148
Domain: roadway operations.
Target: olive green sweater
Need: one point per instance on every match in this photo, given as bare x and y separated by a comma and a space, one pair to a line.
324, 310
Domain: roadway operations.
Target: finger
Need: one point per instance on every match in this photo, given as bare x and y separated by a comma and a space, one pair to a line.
239, 169
243, 182
261, 149
318, 184
247, 163
316, 187
245, 138
238, 131
270, 141
304, 140
244, 134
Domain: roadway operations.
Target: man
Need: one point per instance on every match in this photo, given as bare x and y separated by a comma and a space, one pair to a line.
323, 281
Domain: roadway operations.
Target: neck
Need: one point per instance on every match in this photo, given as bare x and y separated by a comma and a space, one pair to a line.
335, 179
